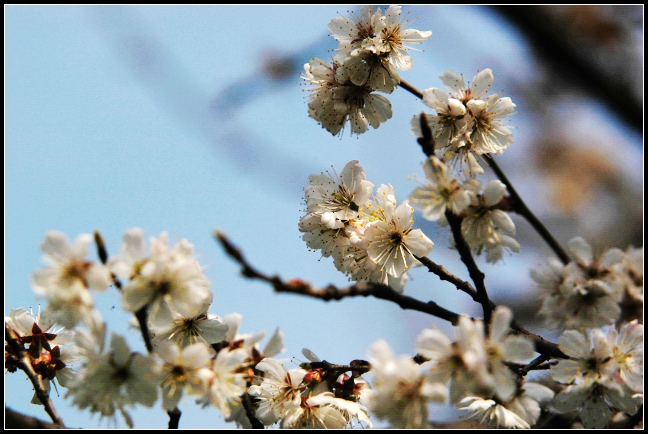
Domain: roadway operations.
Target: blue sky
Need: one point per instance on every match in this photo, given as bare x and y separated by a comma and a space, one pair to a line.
111, 123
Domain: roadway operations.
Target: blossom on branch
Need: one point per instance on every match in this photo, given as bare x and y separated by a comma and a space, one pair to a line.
400, 392
334, 100
167, 282
66, 280
584, 293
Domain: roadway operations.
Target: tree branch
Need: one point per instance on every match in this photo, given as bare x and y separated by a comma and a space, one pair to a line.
518, 205
23, 361
15, 420
331, 292
467, 258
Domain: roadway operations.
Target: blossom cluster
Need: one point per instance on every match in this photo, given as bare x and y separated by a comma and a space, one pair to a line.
591, 290
467, 121
472, 372
369, 236
371, 47
594, 373
604, 374
307, 398
192, 351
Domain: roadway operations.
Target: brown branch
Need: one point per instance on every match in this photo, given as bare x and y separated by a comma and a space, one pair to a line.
102, 252
250, 412
174, 418
142, 319
23, 361
467, 258
331, 292
411, 89
15, 420
518, 205
444, 274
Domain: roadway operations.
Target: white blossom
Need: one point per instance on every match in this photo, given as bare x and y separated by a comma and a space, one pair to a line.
584, 293
184, 369
502, 347
204, 328
390, 240
343, 197
484, 225
400, 392
440, 192
278, 392
67, 278
112, 381
333, 103
168, 282
464, 363
229, 380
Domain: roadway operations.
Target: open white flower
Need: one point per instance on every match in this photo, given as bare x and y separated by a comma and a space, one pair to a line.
204, 328
229, 380
627, 348
484, 226
343, 196
597, 401
464, 363
441, 192
184, 369
279, 391
315, 412
522, 412
489, 134
455, 83
67, 278
502, 347
333, 102
168, 282
393, 36
67, 266
450, 124
491, 414
584, 293
400, 392
114, 380
390, 240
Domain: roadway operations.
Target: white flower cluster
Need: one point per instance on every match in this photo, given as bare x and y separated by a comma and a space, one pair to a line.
371, 48
370, 239
484, 226
473, 369
604, 374
467, 122
300, 398
590, 291
194, 352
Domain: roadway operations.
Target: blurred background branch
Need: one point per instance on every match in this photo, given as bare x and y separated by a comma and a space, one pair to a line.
591, 47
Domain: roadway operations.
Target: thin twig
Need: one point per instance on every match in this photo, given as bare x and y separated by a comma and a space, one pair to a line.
521, 208
142, 319
331, 292
444, 274
23, 361
411, 89
102, 252
467, 258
